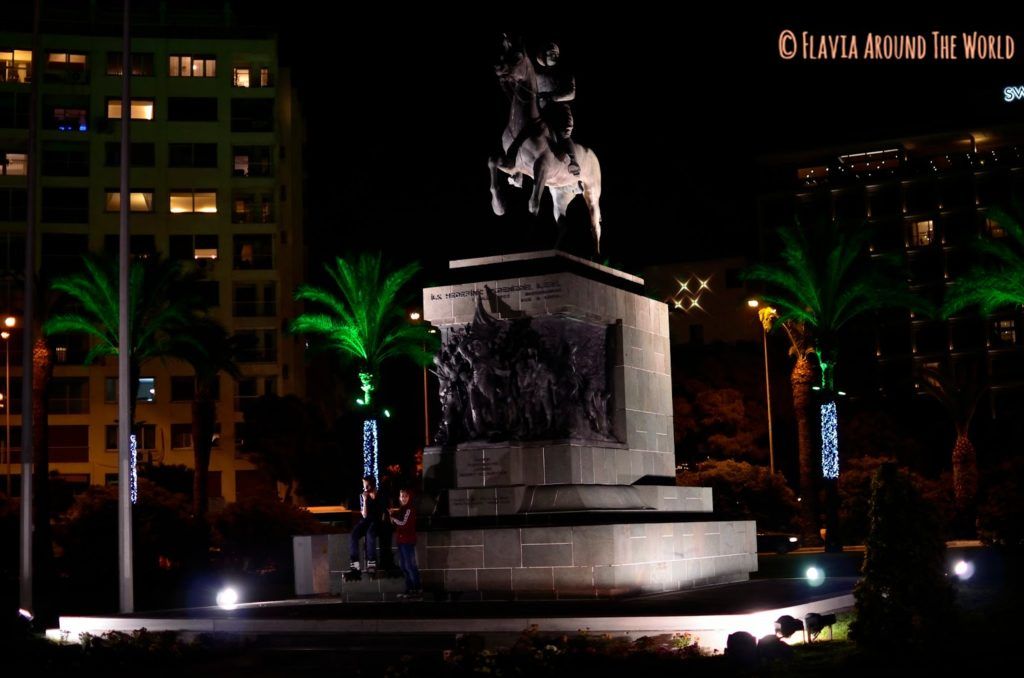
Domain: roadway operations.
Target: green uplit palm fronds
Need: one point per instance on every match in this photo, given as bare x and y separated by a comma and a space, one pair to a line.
826, 279
364, 316
164, 308
1000, 282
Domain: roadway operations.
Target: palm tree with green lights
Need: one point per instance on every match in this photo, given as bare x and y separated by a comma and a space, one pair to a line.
999, 281
825, 280
166, 307
362, 319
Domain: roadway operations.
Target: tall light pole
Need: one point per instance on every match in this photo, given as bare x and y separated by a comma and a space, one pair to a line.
416, 317
766, 315
9, 323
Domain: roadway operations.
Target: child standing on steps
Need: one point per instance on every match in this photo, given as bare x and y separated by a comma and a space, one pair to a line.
404, 520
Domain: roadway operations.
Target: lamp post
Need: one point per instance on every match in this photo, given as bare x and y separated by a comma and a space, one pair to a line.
416, 317
9, 322
766, 315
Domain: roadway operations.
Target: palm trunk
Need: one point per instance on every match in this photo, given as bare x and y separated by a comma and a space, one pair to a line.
965, 471
800, 379
42, 373
204, 418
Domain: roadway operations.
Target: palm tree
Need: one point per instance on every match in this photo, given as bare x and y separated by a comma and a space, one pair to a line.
219, 354
166, 308
823, 282
960, 400
363, 321
998, 284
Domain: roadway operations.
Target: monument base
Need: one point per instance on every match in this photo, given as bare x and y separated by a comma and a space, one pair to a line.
575, 561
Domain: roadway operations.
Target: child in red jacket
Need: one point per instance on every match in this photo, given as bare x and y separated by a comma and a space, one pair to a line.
404, 520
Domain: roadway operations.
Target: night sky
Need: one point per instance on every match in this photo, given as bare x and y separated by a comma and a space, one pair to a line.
403, 111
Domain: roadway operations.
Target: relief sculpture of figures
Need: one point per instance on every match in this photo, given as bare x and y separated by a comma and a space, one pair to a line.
537, 141
523, 379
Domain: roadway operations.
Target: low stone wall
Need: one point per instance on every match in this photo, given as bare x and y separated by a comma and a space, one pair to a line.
556, 562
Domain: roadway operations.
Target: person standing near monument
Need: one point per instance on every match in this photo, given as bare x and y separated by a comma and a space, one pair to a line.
404, 520
372, 511
556, 87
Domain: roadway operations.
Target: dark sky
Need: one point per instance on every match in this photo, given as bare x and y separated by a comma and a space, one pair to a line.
403, 111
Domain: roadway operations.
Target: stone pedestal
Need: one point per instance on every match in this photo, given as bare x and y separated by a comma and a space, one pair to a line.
563, 484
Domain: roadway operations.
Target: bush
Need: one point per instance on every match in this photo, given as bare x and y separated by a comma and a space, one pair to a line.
744, 491
255, 535
164, 537
855, 496
905, 595
1001, 512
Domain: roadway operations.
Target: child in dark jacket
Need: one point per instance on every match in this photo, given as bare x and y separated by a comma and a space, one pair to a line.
404, 520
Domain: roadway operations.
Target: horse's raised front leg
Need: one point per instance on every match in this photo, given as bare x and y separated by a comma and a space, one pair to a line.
496, 203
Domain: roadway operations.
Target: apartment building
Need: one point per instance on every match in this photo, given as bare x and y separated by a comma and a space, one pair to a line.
216, 181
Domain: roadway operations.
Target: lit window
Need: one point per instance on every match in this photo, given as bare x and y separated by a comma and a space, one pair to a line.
192, 66
994, 229
70, 119
241, 77
1006, 331
16, 65
140, 201
264, 77
193, 201
922, 233
13, 164
142, 109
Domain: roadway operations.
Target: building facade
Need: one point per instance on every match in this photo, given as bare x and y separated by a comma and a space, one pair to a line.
216, 181
925, 199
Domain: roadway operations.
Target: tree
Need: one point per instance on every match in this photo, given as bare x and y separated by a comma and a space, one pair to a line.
999, 281
904, 595
363, 321
744, 491
166, 309
825, 280
959, 397
219, 353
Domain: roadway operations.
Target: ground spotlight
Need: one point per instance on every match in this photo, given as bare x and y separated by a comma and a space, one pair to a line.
815, 576
963, 570
25, 614
227, 598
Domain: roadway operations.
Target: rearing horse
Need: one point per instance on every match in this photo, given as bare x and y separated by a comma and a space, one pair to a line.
535, 157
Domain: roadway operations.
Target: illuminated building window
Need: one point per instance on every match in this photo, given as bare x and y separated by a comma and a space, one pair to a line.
250, 76
66, 67
16, 65
13, 164
994, 229
252, 161
142, 109
140, 201
193, 66
252, 208
193, 247
70, 119
201, 201
145, 394
1005, 331
922, 233
253, 252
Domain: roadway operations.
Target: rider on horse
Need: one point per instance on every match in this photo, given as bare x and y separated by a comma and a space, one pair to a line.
556, 87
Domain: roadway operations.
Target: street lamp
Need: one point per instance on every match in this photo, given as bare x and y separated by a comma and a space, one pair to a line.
766, 315
416, 316
9, 322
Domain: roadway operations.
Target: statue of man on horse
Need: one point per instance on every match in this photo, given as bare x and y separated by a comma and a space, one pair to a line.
537, 141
